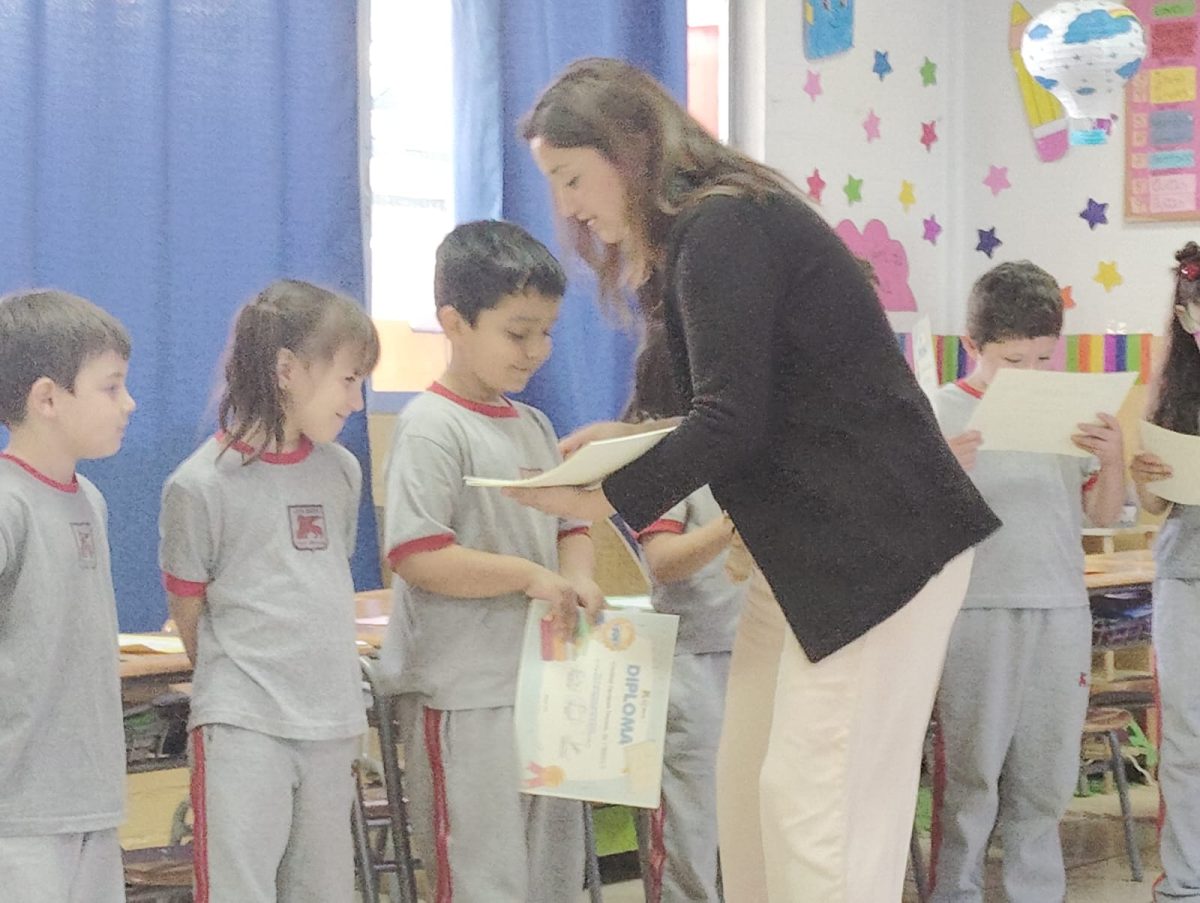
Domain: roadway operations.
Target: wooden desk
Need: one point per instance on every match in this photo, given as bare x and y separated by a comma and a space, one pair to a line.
1105, 571
145, 676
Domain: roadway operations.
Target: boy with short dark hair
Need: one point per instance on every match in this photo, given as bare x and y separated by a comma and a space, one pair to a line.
471, 560
1014, 691
63, 363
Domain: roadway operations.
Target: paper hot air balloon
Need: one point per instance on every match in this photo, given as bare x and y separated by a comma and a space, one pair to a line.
1084, 52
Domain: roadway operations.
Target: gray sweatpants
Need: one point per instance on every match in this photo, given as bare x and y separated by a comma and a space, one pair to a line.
481, 839
679, 839
1010, 714
271, 817
1176, 644
62, 868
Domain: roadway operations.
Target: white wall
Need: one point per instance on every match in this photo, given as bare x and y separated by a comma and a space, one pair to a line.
980, 121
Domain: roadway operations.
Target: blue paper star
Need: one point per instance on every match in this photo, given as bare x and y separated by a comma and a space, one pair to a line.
1096, 213
988, 242
882, 67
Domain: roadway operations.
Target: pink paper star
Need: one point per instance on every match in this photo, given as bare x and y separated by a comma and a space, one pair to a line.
871, 125
932, 229
997, 179
815, 185
812, 84
929, 134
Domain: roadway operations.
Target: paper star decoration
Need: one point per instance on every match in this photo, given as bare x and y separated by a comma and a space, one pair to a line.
815, 185
997, 179
1096, 213
988, 242
882, 67
853, 189
812, 85
929, 134
1107, 275
932, 229
928, 73
871, 125
1068, 297
908, 195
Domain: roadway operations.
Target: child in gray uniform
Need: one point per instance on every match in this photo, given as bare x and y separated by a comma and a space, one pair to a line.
63, 363
686, 550
470, 560
1175, 405
257, 528
1014, 690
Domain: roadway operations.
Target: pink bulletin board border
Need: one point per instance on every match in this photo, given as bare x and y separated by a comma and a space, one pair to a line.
1173, 48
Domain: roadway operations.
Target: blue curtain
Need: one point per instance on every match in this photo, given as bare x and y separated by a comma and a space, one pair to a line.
168, 160
506, 51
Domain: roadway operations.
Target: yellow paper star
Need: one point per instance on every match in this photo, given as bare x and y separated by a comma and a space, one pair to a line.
1108, 276
908, 196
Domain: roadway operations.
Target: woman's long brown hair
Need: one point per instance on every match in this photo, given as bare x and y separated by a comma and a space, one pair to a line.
666, 160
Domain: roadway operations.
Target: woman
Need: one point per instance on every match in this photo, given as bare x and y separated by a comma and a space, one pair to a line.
805, 421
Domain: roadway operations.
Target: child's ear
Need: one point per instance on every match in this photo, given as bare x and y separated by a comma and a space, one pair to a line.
972, 349
451, 321
286, 363
40, 400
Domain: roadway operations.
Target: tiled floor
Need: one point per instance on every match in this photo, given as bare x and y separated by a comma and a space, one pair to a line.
1093, 845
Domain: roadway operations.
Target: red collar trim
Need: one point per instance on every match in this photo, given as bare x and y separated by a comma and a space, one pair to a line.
968, 388
295, 456
508, 409
73, 486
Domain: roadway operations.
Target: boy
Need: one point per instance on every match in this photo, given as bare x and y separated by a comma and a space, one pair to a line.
1014, 691
471, 559
63, 363
686, 551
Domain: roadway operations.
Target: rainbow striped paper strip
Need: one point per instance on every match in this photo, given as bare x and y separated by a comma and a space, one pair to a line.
1089, 353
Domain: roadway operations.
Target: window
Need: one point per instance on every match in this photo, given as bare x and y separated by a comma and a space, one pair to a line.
412, 177
412, 184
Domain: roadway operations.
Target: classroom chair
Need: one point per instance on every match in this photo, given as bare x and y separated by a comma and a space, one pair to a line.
386, 815
1107, 725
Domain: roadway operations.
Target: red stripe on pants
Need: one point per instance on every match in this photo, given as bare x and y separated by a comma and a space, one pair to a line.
441, 809
199, 818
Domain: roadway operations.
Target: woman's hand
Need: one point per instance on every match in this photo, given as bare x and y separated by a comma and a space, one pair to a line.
570, 502
594, 432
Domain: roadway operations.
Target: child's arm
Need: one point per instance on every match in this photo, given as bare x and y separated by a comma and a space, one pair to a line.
185, 612
1104, 498
1146, 468
675, 556
463, 573
577, 562
965, 447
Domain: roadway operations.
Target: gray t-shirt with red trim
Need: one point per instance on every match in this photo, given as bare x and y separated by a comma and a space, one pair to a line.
463, 653
708, 602
1035, 560
62, 745
268, 545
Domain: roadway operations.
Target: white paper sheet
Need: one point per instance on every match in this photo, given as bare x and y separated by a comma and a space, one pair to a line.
1039, 410
591, 713
1182, 454
924, 359
150, 643
589, 465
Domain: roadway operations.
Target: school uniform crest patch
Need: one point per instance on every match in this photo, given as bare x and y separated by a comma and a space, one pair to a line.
308, 527
85, 544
